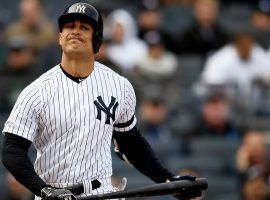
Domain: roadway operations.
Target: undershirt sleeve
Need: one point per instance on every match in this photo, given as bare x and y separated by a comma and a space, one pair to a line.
140, 154
15, 159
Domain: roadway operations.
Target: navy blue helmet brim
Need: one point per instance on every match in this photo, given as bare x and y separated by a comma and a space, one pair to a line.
70, 17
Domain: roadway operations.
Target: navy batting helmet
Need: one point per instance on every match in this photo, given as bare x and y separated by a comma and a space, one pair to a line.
86, 12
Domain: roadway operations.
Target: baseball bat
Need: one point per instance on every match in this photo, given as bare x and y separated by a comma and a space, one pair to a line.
167, 188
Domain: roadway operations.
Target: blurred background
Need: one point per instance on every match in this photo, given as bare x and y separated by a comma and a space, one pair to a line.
200, 70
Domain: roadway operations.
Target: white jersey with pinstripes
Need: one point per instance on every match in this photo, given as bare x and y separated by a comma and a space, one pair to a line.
71, 124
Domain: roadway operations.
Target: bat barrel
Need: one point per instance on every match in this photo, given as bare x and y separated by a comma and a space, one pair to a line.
153, 190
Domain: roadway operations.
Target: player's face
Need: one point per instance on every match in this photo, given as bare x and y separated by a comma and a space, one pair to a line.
76, 37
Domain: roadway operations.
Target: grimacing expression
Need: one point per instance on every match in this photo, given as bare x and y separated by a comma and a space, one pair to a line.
76, 37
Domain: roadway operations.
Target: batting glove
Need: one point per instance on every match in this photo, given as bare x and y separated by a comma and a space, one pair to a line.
186, 193
49, 193
122, 185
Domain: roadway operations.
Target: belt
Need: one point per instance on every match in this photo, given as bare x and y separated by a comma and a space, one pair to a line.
79, 189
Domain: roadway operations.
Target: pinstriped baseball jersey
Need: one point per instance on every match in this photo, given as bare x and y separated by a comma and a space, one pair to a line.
71, 123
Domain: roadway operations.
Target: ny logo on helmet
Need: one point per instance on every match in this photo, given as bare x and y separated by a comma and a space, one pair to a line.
80, 8
101, 106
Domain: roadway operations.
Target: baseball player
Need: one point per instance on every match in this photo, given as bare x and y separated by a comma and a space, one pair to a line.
71, 114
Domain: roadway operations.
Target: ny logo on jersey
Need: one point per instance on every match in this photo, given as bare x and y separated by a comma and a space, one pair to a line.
99, 103
80, 8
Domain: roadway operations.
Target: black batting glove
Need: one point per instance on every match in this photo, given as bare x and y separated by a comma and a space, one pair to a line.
50, 193
186, 193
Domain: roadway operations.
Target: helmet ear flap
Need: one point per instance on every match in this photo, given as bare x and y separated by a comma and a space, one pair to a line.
98, 36
97, 41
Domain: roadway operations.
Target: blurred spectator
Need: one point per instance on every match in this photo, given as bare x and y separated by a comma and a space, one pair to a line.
149, 19
155, 71
173, 2
206, 34
215, 117
158, 64
153, 116
102, 57
260, 20
2, 46
18, 70
33, 25
125, 48
253, 166
237, 65
50, 55
17, 191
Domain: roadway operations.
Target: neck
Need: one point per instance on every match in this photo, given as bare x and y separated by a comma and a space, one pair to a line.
78, 67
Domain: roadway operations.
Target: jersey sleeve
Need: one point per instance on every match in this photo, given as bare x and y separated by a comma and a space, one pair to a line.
23, 119
127, 119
